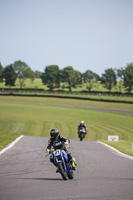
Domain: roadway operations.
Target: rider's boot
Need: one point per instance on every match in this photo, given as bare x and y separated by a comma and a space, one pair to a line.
57, 169
73, 164
72, 160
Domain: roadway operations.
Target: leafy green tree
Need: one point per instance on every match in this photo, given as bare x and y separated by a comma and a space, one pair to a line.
9, 75
23, 72
120, 77
128, 77
70, 76
91, 78
109, 79
51, 77
38, 74
77, 79
1, 70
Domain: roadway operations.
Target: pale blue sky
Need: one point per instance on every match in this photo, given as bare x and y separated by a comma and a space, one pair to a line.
85, 34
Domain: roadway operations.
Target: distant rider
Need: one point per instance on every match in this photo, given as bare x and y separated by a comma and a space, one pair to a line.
58, 141
82, 125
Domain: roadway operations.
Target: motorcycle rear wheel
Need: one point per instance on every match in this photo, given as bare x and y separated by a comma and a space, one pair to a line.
70, 175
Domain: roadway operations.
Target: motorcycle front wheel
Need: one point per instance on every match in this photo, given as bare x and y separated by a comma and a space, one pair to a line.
81, 137
62, 171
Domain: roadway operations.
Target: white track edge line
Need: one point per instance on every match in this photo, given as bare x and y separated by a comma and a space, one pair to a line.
11, 144
118, 152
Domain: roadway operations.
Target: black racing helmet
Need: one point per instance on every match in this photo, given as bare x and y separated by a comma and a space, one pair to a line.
54, 133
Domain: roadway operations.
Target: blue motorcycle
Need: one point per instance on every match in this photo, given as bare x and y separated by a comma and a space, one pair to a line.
64, 166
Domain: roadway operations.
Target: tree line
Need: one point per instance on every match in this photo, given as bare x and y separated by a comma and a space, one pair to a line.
53, 76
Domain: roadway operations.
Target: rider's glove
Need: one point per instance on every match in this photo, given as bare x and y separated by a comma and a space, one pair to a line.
66, 144
47, 152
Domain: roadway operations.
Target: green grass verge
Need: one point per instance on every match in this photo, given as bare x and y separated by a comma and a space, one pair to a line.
125, 146
36, 120
74, 102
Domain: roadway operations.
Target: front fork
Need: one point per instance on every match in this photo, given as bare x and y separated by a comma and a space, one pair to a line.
59, 161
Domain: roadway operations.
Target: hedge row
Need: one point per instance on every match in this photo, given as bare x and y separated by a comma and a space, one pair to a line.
62, 91
67, 97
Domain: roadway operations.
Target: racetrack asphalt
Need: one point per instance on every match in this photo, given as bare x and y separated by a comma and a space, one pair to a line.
26, 174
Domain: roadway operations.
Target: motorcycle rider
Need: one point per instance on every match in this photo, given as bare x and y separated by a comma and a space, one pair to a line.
82, 125
58, 141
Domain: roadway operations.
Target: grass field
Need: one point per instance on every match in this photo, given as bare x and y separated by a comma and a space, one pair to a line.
37, 120
58, 101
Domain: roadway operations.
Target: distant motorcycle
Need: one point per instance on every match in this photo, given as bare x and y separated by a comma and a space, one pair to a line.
64, 166
81, 133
